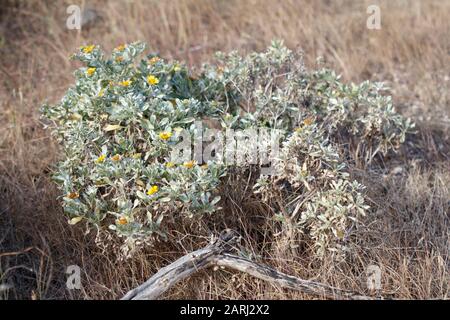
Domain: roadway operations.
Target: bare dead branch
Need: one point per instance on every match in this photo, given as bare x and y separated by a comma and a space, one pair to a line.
216, 254
181, 269
283, 280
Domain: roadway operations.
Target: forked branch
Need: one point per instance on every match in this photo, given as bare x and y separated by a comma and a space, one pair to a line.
216, 254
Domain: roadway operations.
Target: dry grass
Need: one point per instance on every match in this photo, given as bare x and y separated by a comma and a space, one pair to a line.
409, 237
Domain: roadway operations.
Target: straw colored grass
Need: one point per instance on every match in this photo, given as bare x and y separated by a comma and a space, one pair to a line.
409, 193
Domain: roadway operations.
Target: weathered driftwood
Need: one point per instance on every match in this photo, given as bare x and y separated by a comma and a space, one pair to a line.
216, 254
181, 269
285, 281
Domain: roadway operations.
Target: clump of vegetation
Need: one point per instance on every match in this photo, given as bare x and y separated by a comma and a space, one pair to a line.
121, 120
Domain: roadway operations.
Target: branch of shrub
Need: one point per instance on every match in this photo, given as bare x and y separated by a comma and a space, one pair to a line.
217, 254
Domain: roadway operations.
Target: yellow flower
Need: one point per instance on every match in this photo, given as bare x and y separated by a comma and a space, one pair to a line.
115, 157
189, 164
165, 135
73, 195
122, 220
308, 121
88, 49
153, 60
170, 164
119, 59
100, 159
120, 48
125, 83
152, 190
152, 80
90, 71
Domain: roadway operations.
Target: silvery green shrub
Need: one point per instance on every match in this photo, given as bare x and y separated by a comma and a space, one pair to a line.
119, 122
